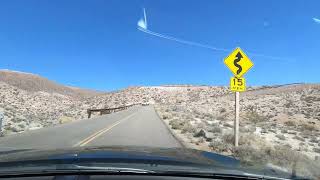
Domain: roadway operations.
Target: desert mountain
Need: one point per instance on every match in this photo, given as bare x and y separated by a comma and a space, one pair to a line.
34, 83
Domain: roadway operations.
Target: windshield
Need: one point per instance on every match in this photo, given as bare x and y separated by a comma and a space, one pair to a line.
235, 78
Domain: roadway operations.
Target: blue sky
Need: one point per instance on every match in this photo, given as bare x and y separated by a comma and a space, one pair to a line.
95, 43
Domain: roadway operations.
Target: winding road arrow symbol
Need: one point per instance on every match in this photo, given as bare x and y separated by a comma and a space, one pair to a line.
236, 61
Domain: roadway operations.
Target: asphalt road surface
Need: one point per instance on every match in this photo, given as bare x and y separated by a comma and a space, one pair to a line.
136, 126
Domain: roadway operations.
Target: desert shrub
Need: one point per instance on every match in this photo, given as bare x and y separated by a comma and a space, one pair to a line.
281, 136
288, 104
248, 139
166, 116
249, 155
298, 138
290, 113
248, 129
228, 138
307, 127
302, 144
200, 133
290, 123
21, 126
221, 117
176, 124
252, 129
273, 130
282, 155
65, 119
284, 131
219, 146
208, 115
278, 155
310, 99
201, 125
188, 128
251, 108
174, 108
11, 129
201, 140
288, 146
314, 139
18, 119
223, 110
227, 125
317, 150
215, 130
255, 117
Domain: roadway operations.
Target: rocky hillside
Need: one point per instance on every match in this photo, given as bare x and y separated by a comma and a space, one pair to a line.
27, 108
275, 121
29, 101
278, 125
35, 83
155, 95
24, 110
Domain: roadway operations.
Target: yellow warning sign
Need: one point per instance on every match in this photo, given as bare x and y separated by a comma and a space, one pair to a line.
237, 84
238, 62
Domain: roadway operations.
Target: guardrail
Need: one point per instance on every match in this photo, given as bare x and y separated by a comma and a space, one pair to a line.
110, 110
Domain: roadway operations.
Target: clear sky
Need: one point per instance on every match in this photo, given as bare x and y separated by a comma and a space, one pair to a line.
96, 44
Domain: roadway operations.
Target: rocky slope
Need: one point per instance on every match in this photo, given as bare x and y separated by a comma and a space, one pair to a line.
278, 123
29, 101
34, 83
25, 110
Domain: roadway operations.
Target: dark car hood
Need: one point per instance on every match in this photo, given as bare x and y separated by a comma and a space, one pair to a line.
173, 155
121, 154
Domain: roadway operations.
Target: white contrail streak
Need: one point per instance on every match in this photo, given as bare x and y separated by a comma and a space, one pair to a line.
145, 18
143, 26
181, 40
206, 46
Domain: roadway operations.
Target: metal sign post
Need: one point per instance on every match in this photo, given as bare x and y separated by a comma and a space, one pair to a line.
239, 63
236, 122
1, 120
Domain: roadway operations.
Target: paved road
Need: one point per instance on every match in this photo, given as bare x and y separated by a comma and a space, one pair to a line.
136, 126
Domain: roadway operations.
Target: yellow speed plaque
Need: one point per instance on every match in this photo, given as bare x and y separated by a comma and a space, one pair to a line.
237, 84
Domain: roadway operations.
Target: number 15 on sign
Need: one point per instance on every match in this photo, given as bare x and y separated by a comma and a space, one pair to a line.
237, 84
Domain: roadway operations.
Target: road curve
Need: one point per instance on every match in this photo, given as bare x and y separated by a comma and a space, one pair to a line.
136, 126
